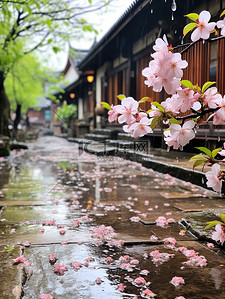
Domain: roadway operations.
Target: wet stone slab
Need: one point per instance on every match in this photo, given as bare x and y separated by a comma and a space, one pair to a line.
8, 272
81, 283
196, 223
105, 191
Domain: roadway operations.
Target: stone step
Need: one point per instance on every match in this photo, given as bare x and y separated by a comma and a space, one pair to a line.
96, 137
124, 136
111, 134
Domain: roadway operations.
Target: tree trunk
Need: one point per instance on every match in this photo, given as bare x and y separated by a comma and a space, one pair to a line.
4, 108
18, 117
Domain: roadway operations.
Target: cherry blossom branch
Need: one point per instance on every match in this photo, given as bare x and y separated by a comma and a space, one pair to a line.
194, 115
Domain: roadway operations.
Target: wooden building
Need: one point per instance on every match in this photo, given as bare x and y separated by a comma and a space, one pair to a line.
118, 59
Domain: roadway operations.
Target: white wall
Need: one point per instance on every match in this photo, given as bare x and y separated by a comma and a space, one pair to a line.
71, 75
99, 74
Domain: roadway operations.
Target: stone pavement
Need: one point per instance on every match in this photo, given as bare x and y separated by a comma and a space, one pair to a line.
83, 208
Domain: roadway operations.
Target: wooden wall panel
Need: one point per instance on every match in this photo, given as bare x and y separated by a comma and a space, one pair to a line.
198, 58
220, 76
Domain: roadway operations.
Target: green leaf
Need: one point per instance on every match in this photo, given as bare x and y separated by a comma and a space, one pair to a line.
192, 16
143, 100
9, 248
189, 27
56, 49
121, 96
90, 1
187, 84
205, 150
222, 216
198, 162
174, 121
196, 118
207, 85
154, 122
49, 41
213, 223
215, 152
198, 157
49, 23
106, 105
197, 88
222, 14
157, 105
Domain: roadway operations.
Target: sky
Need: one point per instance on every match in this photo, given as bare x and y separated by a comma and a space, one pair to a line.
102, 22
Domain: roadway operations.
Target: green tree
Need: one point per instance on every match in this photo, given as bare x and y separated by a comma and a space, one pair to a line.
24, 84
67, 114
28, 25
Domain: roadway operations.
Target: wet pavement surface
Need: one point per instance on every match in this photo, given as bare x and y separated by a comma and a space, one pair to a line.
85, 210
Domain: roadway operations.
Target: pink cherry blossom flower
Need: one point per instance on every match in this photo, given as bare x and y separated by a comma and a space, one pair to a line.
161, 221
46, 296
219, 117
144, 272
159, 258
198, 261
219, 233
121, 287
186, 98
109, 260
172, 105
134, 262
84, 218
183, 134
76, 265
127, 109
222, 152
90, 259
126, 266
60, 226
124, 258
170, 85
60, 269
212, 97
153, 238
154, 111
113, 114
161, 45
172, 241
62, 232
175, 65
214, 178
21, 259
98, 281
139, 129
64, 243
170, 140
140, 281
42, 230
148, 294
210, 245
49, 222
76, 223
13, 230
52, 258
176, 281
221, 24
204, 27
27, 243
